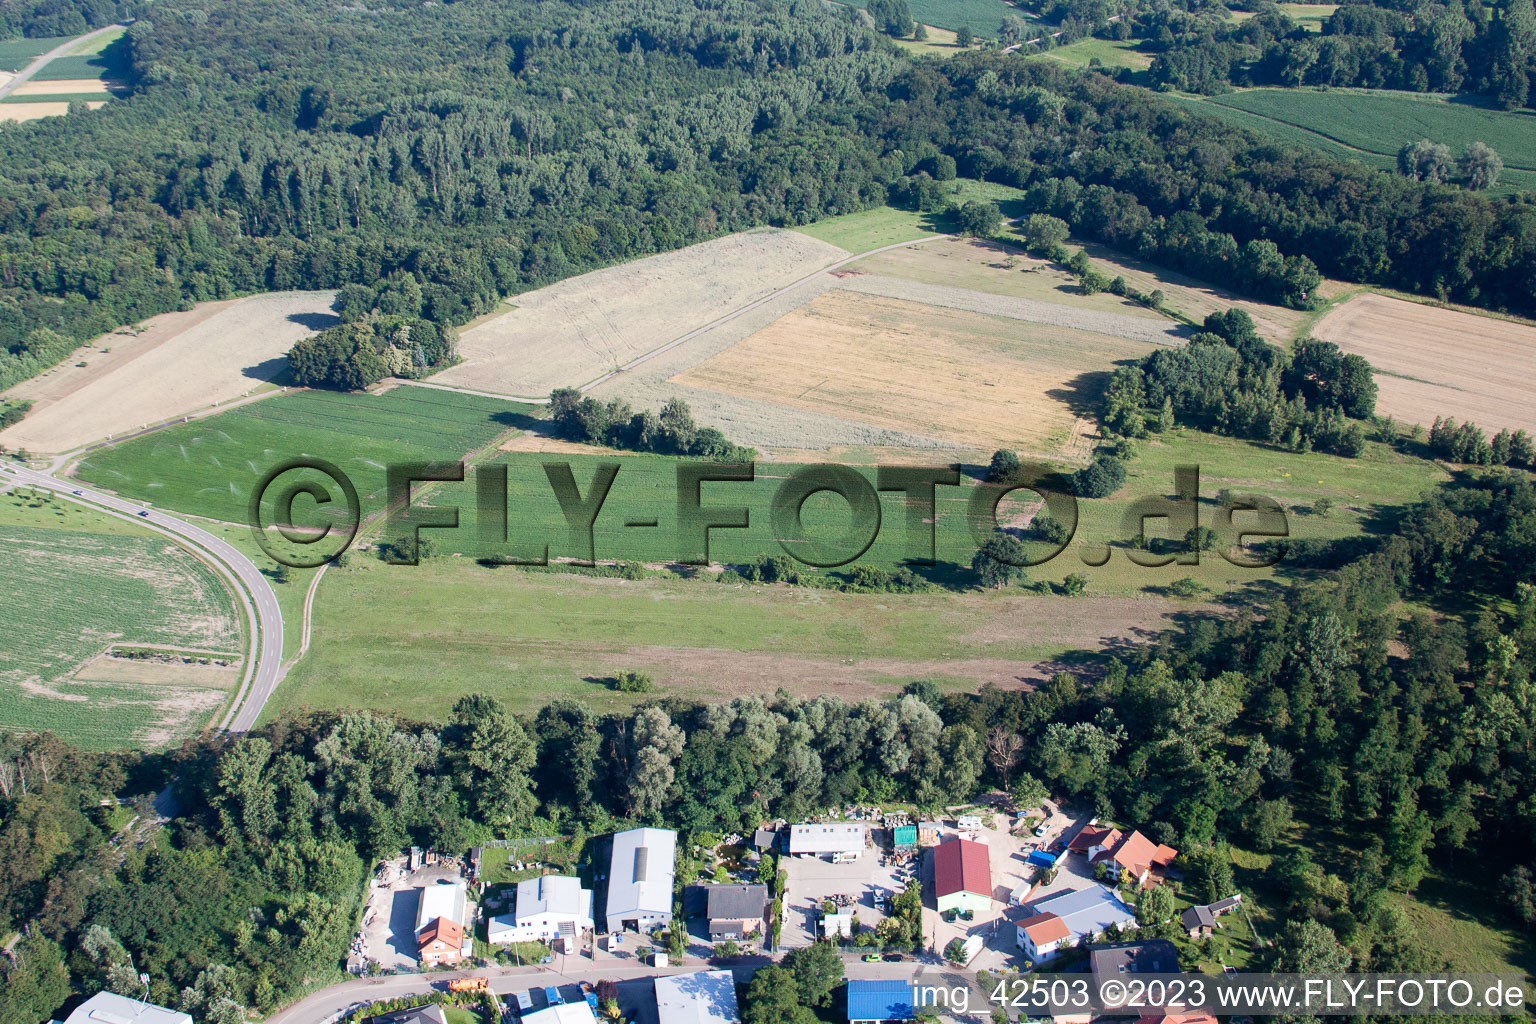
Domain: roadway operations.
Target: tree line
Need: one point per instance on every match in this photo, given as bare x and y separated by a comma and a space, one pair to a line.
1487, 49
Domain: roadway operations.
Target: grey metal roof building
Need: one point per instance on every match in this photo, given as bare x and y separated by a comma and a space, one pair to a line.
640, 879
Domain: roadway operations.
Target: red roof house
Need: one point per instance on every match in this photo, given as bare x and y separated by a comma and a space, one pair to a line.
960, 867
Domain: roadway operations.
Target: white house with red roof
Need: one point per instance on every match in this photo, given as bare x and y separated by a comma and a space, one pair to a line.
1134, 855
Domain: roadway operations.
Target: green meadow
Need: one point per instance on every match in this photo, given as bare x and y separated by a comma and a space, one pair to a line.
888, 225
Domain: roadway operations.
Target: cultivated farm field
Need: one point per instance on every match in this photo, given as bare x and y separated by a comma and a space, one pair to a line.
79, 582
176, 364
570, 333
975, 380
16, 54
1372, 125
208, 467
984, 266
1440, 362
982, 16
30, 108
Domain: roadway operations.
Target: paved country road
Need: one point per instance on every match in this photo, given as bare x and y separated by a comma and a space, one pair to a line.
329, 1004
264, 657
58, 51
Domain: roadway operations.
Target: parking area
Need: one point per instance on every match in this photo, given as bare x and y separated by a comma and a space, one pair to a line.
813, 881
388, 935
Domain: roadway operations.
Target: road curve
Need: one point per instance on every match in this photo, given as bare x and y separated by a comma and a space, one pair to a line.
58, 51
264, 656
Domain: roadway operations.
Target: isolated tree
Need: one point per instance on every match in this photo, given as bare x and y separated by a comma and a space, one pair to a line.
920, 33
773, 997
1004, 464
980, 217
999, 562
1480, 165
1154, 905
1042, 232
817, 970
963, 36
954, 953
1028, 791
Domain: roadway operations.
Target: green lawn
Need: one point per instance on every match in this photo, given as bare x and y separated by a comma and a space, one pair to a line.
208, 467
62, 97
1371, 126
90, 47
77, 582
414, 638
887, 225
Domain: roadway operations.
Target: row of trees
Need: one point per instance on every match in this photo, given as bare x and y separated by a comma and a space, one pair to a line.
612, 423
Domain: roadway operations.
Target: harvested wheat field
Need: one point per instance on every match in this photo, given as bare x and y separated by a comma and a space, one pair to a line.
179, 363
972, 379
1440, 362
33, 111
59, 88
570, 333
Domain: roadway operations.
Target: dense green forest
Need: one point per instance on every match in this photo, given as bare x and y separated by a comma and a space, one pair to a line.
44, 19
479, 149
1385, 696
1487, 50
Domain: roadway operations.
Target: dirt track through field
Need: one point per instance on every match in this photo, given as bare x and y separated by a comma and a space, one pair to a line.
575, 331
1440, 362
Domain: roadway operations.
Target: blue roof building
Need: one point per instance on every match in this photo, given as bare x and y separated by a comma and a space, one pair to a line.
880, 1000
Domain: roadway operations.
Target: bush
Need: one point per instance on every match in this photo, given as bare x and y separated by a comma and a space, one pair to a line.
630, 681
1101, 479
1004, 465
1186, 587
1075, 585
